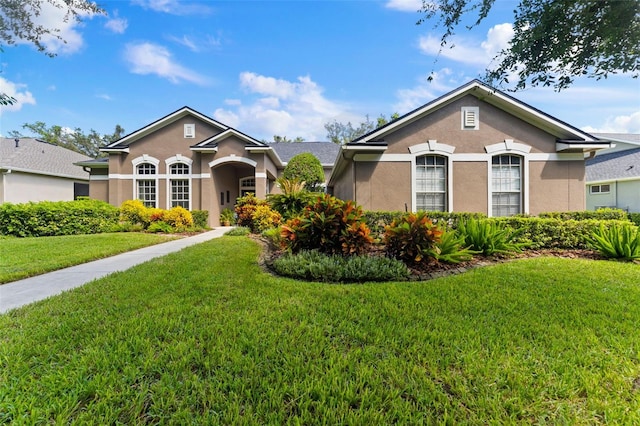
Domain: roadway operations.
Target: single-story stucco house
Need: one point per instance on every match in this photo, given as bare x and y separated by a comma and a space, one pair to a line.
34, 170
474, 149
613, 175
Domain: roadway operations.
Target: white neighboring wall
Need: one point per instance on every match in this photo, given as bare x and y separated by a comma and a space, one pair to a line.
18, 187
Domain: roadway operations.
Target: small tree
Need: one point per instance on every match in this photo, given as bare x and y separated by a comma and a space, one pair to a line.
307, 168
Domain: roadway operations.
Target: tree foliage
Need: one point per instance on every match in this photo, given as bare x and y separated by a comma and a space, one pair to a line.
75, 140
285, 139
554, 41
307, 168
342, 133
19, 20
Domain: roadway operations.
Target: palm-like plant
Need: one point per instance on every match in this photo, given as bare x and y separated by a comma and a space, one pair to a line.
617, 241
292, 200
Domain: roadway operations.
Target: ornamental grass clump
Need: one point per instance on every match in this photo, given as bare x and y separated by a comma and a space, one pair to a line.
618, 241
490, 238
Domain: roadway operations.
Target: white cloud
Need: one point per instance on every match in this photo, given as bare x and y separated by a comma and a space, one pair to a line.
16, 91
197, 44
619, 124
148, 58
469, 51
117, 25
174, 7
425, 91
282, 107
404, 5
104, 96
186, 42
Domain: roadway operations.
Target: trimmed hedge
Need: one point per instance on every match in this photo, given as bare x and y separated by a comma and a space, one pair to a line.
377, 220
49, 218
600, 214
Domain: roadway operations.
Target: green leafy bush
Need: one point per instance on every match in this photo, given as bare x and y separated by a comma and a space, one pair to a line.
378, 220
451, 248
49, 218
239, 231
489, 237
411, 237
227, 217
200, 218
273, 237
617, 241
160, 226
635, 218
245, 207
293, 199
316, 266
600, 214
179, 218
265, 218
305, 167
329, 225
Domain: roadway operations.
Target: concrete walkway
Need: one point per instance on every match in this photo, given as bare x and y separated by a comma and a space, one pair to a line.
20, 293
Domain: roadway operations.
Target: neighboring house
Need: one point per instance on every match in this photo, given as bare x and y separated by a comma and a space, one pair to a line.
613, 175
33, 170
188, 159
474, 149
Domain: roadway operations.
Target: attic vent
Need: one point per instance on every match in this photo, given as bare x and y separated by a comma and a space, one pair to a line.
189, 130
470, 118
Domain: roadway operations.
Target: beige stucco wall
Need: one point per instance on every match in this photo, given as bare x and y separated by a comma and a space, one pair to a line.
470, 187
18, 187
556, 186
373, 191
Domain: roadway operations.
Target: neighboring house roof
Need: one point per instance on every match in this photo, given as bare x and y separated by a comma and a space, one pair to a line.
29, 155
630, 138
569, 138
326, 152
620, 165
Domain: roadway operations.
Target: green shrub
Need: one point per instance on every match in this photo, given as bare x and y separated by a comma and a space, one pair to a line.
451, 248
200, 218
617, 241
227, 217
411, 237
239, 231
635, 218
329, 225
378, 220
316, 266
600, 214
293, 199
305, 167
134, 211
160, 226
50, 218
489, 237
273, 237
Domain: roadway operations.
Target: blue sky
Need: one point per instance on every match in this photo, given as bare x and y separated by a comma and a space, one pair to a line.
271, 67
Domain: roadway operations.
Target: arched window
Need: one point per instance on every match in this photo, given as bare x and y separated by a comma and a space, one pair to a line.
179, 188
146, 184
506, 185
247, 185
431, 183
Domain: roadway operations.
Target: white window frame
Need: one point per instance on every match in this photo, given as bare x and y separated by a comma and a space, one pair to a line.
189, 130
432, 147
434, 166
179, 159
600, 190
509, 147
520, 191
139, 161
247, 188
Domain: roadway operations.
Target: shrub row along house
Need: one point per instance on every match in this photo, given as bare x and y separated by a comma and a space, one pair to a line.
474, 149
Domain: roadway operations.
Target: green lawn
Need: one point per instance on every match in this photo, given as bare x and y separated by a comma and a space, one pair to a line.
25, 257
203, 336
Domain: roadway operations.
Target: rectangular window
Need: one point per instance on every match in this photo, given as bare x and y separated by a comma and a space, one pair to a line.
189, 131
180, 193
506, 185
147, 192
600, 189
431, 183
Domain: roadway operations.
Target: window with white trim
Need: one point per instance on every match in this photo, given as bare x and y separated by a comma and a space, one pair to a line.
431, 183
506, 185
146, 186
190, 131
179, 188
247, 185
600, 189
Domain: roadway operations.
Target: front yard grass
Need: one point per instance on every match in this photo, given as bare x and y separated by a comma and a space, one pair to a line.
25, 257
204, 336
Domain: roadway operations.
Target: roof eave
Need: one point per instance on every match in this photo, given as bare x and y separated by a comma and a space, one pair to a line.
570, 146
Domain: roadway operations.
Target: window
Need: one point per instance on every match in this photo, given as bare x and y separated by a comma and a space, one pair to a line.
431, 183
600, 189
506, 185
146, 184
189, 131
179, 186
470, 118
247, 185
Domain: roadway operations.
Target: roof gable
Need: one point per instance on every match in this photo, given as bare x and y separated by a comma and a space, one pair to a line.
123, 143
561, 130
